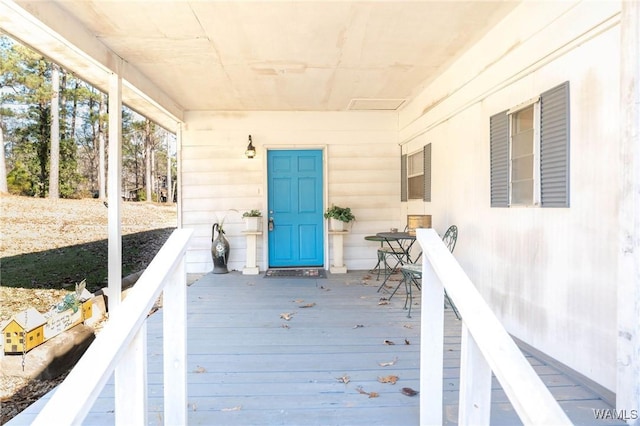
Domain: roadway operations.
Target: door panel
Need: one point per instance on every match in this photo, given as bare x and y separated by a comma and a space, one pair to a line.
295, 206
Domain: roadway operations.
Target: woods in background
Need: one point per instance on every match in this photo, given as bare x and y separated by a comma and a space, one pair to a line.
55, 124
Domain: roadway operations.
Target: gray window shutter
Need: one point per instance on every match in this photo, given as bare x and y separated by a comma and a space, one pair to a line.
426, 152
554, 147
499, 152
403, 178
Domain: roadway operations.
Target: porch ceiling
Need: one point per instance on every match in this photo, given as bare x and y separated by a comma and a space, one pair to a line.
263, 56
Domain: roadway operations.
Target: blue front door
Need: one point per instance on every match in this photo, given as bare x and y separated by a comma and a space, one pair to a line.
295, 208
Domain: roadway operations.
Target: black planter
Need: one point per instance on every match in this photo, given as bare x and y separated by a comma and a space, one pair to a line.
219, 250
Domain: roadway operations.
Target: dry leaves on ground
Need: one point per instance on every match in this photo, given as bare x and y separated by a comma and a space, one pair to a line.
344, 379
388, 364
388, 379
363, 392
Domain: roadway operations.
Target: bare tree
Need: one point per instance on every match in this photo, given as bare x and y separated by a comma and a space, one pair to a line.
169, 192
3, 168
148, 147
54, 162
102, 146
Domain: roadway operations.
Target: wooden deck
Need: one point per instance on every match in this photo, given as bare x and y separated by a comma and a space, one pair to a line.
249, 365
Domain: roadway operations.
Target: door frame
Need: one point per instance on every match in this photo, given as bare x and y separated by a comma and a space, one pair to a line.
265, 197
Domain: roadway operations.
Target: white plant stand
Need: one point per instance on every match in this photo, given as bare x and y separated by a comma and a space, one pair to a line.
338, 266
252, 238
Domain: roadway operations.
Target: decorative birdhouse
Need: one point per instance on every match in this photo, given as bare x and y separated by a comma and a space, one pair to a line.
24, 331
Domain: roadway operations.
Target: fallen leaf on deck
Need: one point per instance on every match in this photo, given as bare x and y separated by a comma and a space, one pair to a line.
298, 301
409, 392
388, 342
388, 364
308, 305
200, 370
286, 315
285, 326
371, 394
236, 408
388, 379
358, 326
366, 277
408, 326
344, 379
407, 342
383, 302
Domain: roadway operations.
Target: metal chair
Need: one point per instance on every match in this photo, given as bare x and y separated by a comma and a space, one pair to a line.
412, 273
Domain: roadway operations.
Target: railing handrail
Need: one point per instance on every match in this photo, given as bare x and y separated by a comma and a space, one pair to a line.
485, 340
75, 396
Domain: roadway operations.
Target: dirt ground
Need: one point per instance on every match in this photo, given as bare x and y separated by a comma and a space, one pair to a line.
29, 225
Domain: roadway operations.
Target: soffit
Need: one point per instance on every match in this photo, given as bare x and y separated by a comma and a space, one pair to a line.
279, 55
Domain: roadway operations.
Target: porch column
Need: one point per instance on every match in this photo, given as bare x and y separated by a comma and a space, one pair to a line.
628, 350
114, 188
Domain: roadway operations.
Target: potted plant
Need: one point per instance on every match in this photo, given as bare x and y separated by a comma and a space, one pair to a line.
252, 220
338, 216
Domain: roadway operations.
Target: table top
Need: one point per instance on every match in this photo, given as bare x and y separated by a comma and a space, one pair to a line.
396, 235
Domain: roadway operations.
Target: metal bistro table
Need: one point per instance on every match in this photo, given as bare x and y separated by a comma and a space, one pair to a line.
399, 247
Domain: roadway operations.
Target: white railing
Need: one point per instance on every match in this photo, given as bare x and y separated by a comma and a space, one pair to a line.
486, 348
121, 347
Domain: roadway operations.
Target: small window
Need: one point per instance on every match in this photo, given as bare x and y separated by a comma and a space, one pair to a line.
529, 149
523, 157
415, 175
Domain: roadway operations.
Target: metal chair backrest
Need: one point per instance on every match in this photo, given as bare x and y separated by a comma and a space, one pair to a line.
450, 237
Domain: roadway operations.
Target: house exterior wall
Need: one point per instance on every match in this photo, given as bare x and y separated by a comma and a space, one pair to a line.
362, 171
548, 273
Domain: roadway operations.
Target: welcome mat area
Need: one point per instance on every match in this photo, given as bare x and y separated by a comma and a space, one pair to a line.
296, 273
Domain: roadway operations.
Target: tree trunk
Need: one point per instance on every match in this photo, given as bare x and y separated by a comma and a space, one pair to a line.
74, 111
54, 162
169, 188
3, 168
102, 173
147, 159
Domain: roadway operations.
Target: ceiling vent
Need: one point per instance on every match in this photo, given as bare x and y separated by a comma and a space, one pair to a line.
375, 104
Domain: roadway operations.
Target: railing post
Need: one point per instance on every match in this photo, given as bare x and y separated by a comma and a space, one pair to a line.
174, 321
431, 346
131, 397
475, 383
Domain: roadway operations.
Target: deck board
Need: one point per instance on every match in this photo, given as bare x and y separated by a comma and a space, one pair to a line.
247, 365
